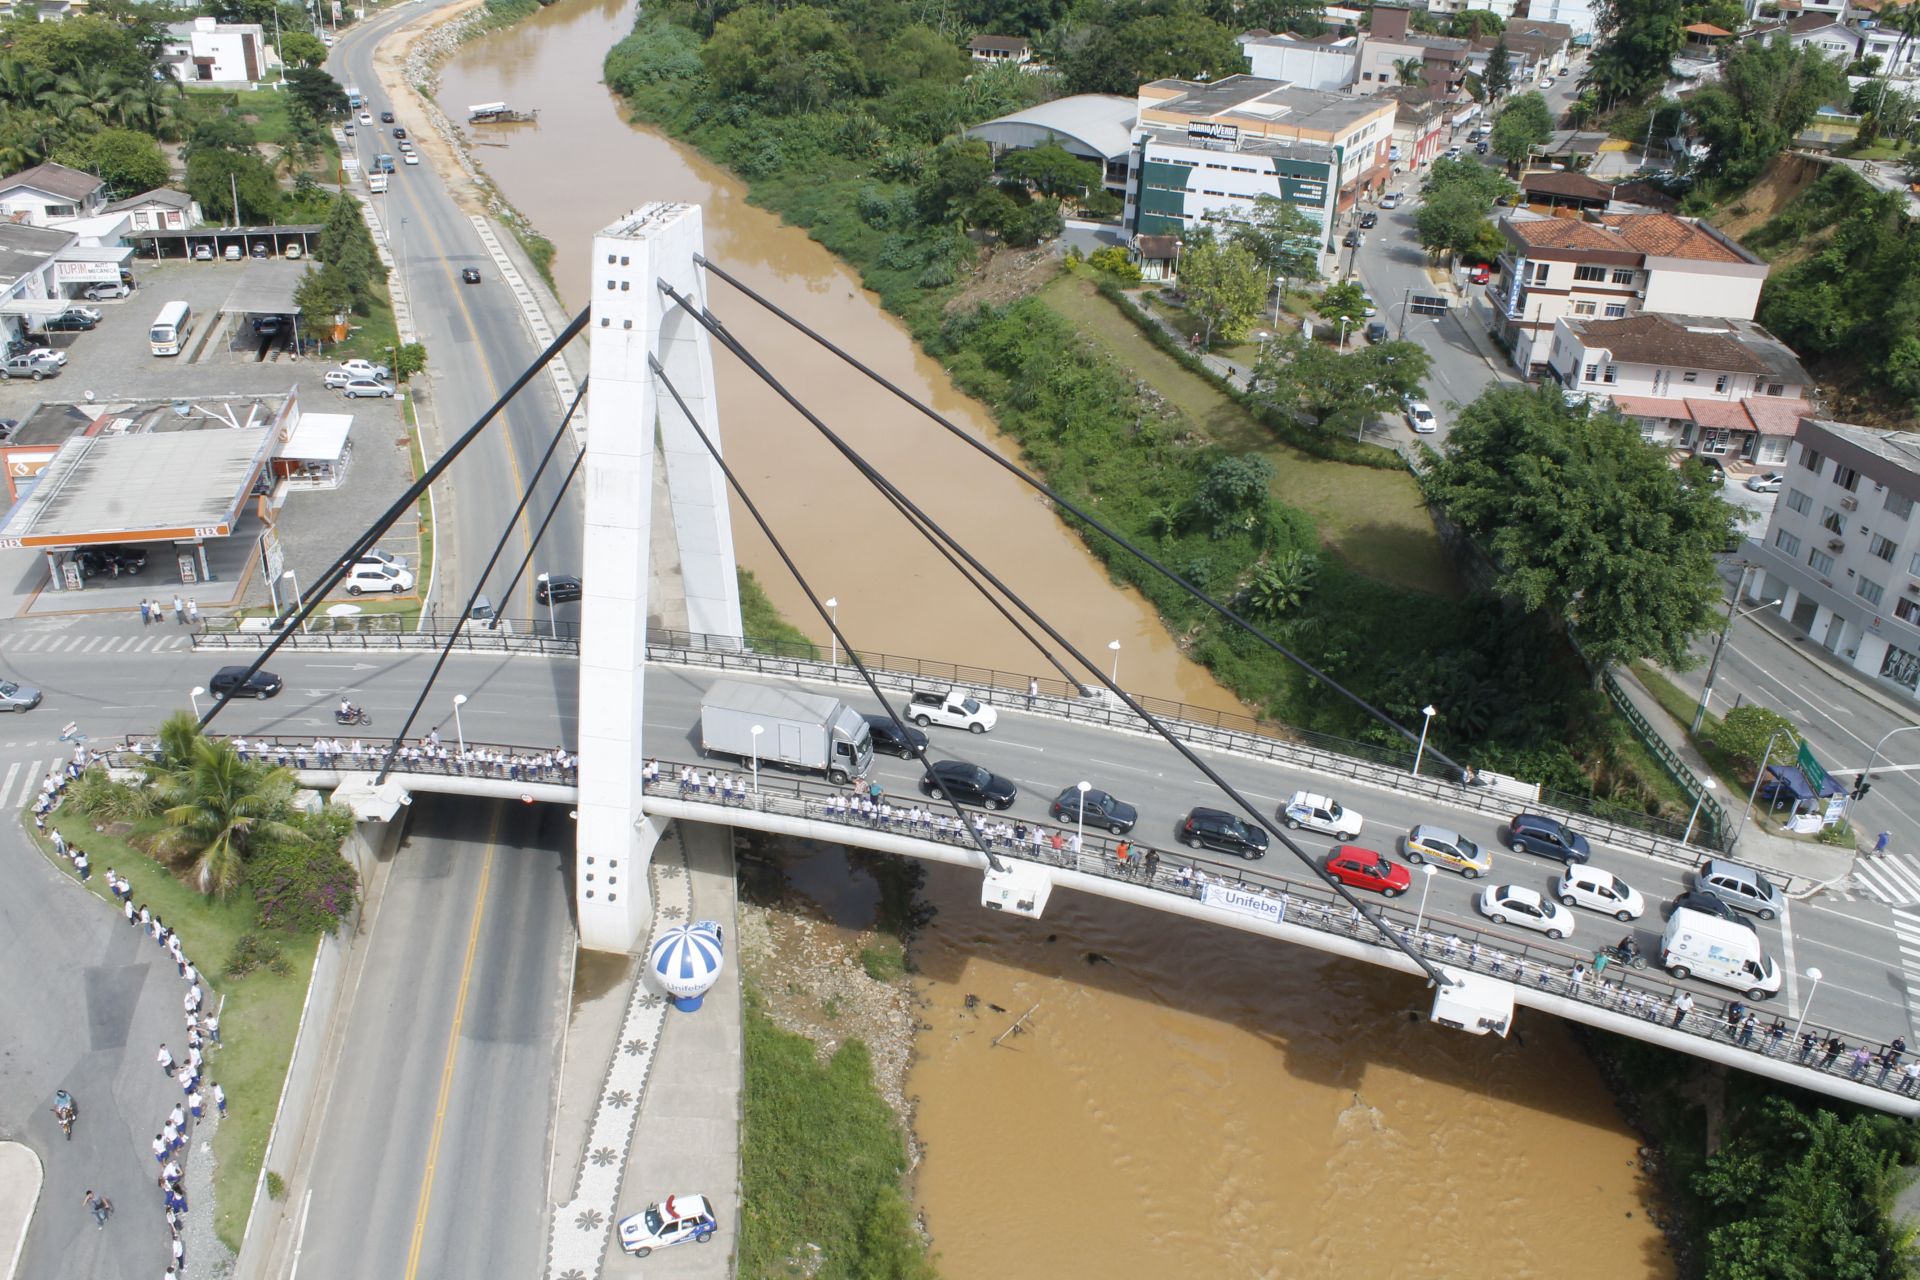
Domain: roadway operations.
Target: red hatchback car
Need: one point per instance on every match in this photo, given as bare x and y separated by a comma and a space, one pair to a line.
1359, 868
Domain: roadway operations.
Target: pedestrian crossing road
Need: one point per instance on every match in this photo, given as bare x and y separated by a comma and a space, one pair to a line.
151, 641
1892, 880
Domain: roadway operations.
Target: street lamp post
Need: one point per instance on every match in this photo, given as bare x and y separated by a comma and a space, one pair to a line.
1114, 675
195, 693
1427, 869
546, 580
293, 583
1081, 840
460, 734
1816, 975
1720, 646
757, 731
1866, 774
1344, 322
1429, 711
1697, 805
1761, 772
833, 603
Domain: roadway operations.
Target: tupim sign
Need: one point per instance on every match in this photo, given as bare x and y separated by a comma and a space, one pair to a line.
1272, 910
86, 272
1213, 131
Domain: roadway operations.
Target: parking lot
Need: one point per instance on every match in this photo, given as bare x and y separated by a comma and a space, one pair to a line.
114, 363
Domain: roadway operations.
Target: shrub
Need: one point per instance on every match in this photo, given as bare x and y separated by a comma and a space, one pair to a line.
1744, 732
250, 952
303, 889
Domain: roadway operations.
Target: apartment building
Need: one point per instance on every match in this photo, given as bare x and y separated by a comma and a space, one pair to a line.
1608, 266
208, 51
1842, 553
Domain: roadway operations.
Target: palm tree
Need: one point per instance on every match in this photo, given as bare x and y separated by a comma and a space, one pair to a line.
21, 83
1282, 584
1410, 70
217, 806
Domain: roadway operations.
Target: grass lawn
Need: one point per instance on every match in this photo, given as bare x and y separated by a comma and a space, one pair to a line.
1374, 520
1680, 704
1297, 306
258, 1013
376, 334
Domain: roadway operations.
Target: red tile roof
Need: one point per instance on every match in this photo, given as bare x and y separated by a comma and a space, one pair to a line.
1664, 236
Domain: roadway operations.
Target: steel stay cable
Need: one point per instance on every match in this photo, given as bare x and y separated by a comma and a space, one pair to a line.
875, 478
813, 599
1067, 504
560, 433
385, 520
553, 509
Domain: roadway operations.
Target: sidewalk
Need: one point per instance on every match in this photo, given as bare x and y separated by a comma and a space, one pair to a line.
20, 1179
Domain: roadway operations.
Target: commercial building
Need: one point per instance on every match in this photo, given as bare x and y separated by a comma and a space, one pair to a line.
1611, 265
1842, 553
1422, 127
1093, 126
1329, 63
208, 51
29, 291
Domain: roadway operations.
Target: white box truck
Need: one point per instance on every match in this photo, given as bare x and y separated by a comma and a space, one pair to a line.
1727, 952
802, 732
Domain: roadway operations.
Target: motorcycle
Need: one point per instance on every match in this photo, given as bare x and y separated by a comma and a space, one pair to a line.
357, 716
1633, 960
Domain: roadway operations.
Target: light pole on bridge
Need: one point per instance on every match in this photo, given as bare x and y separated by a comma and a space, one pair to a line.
1429, 711
1428, 870
1816, 975
757, 731
459, 700
1697, 805
1080, 839
833, 639
195, 693
1114, 675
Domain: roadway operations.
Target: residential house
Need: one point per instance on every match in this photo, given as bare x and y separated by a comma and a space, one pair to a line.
1608, 266
41, 10
1899, 57
1546, 45
1578, 16
1842, 552
208, 51
48, 193
1701, 385
1014, 49
1563, 189
162, 209
1499, 8
1827, 32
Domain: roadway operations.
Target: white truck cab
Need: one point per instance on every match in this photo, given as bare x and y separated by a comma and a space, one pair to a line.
1697, 945
956, 709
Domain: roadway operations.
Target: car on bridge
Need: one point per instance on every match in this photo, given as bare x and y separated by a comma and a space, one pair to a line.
675, 1220
17, 697
1548, 837
1741, 887
1511, 904
1709, 903
1223, 833
970, 784
1318, 813
1102, 810
1444, 848
1359, 868
956, 708
556, 588
901, 740
234, 682
1597, 890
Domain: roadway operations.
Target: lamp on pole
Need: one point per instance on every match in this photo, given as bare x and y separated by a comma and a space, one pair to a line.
1429, 711
1866, 774
757, 731
1344, 322
1114, 674
1720, 646
460, 734
293, 584
195, 693
1081, 840
1759, 773
833, 603
546, 580
1427, 869
1697, 804
1816, 975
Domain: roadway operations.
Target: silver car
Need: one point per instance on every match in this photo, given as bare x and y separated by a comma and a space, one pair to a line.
17, 697
367, 387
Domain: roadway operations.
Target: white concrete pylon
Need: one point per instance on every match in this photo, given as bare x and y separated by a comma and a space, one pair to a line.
632, 423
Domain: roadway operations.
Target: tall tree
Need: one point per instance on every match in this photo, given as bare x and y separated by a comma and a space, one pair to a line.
1637, 41
1766, 94
1523, 124
216, 178
302, 49
1120, 56
319, 92
1585, 522
1282, 238
217, 806
127, 161
1314, 382
1052, 170
1224, 284
1410, 71
1499, 77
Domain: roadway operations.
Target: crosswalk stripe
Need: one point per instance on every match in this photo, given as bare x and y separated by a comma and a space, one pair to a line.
1893, 881
27, 644
34, 770
13, 771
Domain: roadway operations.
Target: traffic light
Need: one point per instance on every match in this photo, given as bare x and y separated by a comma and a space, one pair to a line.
1861, 785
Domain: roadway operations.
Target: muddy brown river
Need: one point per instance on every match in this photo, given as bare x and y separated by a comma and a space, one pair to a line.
1185, 1101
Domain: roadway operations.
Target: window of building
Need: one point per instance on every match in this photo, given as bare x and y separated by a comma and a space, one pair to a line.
1901, 667
1907, 609
1846, 477
1691, 375
1822, 562
1623, 275
1830, 520
1881, 548
1596, 274
1898, 505
1798, 501
1869, 590
1615, 310
1776, 388
1613, 372
1787, 543
1583, 308
1593, 373
1540, 272
1811, 460
1720, 384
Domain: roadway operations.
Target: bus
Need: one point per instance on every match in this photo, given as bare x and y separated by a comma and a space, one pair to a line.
171, 328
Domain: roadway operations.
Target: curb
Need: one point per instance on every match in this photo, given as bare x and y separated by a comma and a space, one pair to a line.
19, 1165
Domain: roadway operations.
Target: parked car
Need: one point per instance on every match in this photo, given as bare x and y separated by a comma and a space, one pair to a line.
1548, 837
1102, 810
1318, 813
970, 784
1352, 239
203, 253
113, 562
6, 427
233, 253
1512, 904
385, 559
91, 313
70, 322
267, 326
470, 274
1584, 885
1420, 418
1369, 220
1742, 887
17, 697
1359, 868
556, 588
349, 130
1766, 482
1709, 903
260, 249
53, 356
360, 388
1444, 848
675, 1220
1376, 331
291, 253
1224, 833
1479, 273
367, 369
383, 577
25, 366
107, 292
334, 379
901, 740
228, 681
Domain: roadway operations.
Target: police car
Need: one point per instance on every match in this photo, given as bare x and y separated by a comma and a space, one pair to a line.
675, 1220
1318, 813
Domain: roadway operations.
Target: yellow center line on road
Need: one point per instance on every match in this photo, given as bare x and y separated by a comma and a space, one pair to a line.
453, 1052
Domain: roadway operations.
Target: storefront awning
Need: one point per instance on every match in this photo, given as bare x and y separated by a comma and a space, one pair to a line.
320, 437
36, 308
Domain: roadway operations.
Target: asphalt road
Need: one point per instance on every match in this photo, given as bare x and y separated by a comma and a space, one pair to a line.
433, 1148
477, 344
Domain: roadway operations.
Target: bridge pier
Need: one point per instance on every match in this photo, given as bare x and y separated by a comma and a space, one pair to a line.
635, 434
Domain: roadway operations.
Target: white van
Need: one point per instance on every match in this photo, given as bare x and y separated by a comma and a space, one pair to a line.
376, 182
1697, 945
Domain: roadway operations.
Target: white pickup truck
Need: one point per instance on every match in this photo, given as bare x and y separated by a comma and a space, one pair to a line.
956, 708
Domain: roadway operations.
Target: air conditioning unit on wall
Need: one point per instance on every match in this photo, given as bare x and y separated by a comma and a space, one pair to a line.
1850, 503
1836, 545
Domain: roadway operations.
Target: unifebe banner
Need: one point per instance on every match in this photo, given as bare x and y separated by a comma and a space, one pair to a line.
1230, 898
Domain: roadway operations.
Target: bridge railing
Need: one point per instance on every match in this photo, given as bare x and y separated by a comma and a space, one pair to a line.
368, 633
1308, 903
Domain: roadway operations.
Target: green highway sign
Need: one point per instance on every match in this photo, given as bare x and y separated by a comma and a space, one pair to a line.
1816, 776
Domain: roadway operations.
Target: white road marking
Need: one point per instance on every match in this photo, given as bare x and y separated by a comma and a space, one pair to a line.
1891, 880
1786, 951
13, 771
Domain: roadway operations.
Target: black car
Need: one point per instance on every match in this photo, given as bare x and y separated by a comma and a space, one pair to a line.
970, 784
1548, 837
1369, 220
1351, 240
399, 133
1376, 331
228, 681
1479, 148
1212, 829
470, 274
1102, 810
111, 561
386, 117
1709, 903
557, 588
904, 741
69, 322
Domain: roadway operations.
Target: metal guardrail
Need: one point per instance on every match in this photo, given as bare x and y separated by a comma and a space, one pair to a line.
1558, 969
472, 637
493, 761
1712, 815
